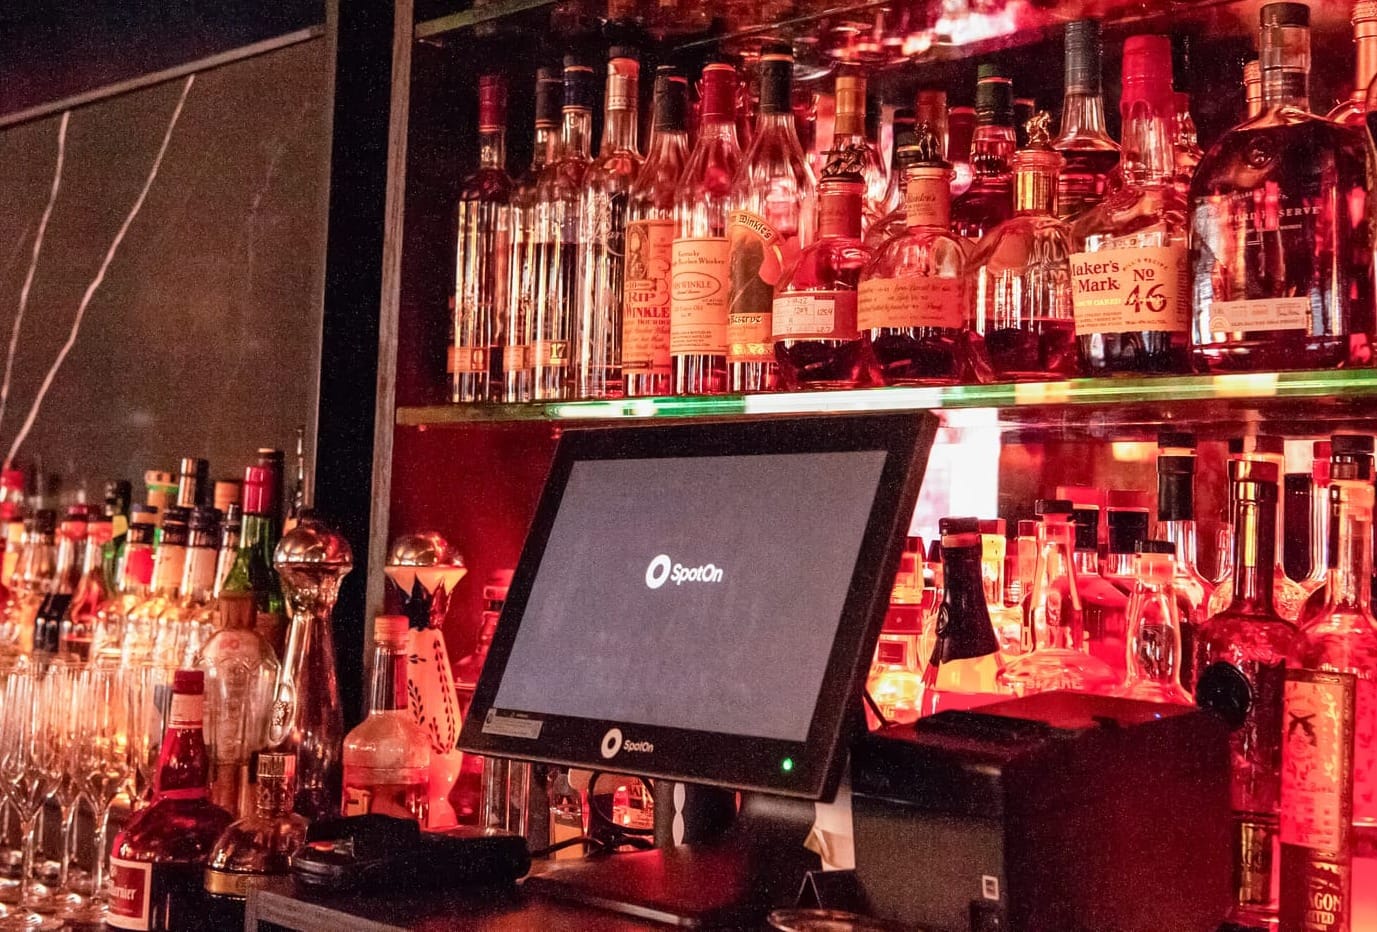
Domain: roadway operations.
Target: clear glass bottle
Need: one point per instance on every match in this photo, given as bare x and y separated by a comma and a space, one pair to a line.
1104, 603
817, 340
71, 541
529, 252
913, 305
602, 234
650, 240
1241, 652
1091, 155
387, 755
1352, 111
990, 199
255, 852
1329, 752
188, 625
1054, 629
482, 272
1129, 275
1278, 227
1154, 628
78, 628
136, 573
965, 660
700, 276
169, 562
960, 137
1176, 524
893, 221
558, 199
1022, 274
850, 133
33, 576
772, 219
1186, 145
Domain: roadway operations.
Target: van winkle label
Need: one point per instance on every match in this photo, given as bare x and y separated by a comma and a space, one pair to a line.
1139, 289
645, 305
698, 297
757, 261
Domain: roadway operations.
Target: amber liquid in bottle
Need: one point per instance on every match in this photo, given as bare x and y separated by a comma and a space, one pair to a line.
990, 199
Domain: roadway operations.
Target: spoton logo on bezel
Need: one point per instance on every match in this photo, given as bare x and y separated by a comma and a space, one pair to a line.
662, 569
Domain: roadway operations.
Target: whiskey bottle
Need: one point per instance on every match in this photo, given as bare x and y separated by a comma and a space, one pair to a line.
185, 627
78, 628
817, 340
1022, 274
1278, 226
169, 561
965, 659
912, 299
136, 572
1352, 111
893, 221
649, 242
1329, 750
1129, 273
602, 235
158, 858
772, 203
850, 133
557, 230
529, 252
990, 199
1154, 628
1091, 155
387, 756
700, 281
255, 852
481, 271
71, 540
1243, 651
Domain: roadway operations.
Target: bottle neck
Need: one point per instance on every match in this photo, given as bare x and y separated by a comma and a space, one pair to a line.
1181, 532
776, 123
1365, 42
1255, 558
546, 148
839, 211
198, 579
1285, 62
964, 630
1350, 546
1035, 192
991, 150
137, 570
492, 149
1148, 151
1082, 114
183, 770
619, 131
389, 679
576, 137
274, 797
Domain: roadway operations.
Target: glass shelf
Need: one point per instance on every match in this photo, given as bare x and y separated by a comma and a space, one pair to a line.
1291, 399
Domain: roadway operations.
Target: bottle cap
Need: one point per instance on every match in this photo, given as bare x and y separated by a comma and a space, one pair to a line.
188, 682
175, 514
948, 526
1175, 488
850, 107
205, 519
492, 103
226, 493
1364, 11
994, 96
139, 510
1087, 520
1127, 527
391, 629
1285, 14
549, 94
1258, 444
1054, 506
1157, 546
255, 489
1350, 444
718, 92
1147, 74
776, 77
140, 532
671, 98
580, 85
992, 526
1083, 53
1175, 439
623, 72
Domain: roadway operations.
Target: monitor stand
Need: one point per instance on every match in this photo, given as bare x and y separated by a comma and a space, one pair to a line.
755, 864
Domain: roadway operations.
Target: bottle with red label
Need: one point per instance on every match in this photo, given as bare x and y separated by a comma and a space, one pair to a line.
772, 204
649, 242
1329, 737
818, 343
912, 300
158, 859
699, 288
1130, 290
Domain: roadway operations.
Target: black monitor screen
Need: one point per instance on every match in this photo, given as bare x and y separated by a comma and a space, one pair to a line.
711, 606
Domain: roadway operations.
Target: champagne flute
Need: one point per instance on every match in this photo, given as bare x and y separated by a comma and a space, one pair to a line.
30, 769
151, 691
63, 697
105, 698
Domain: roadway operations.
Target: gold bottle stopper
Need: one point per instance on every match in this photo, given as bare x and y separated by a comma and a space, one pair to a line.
1252, 87
1036, 167
850, 118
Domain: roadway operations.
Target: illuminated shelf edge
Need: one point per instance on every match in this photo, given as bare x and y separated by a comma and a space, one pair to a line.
1256, 386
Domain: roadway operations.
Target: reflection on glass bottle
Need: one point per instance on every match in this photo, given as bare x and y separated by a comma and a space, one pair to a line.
1154, 628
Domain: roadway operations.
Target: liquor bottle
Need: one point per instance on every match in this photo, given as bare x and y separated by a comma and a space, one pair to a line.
649, 242
1252, 87
960, 138
557, 228
169, 562
850, 134
1314, 583
817, 340
118, 496
1129, 274
1186, 145
230, 530
602, 235
71, 540
1128, 527
387, 756
893, 221
1053, 628
1105, 605
159, 856
255, 852
1176, 524
1022, 274
241, 672
1352, 111
990, 199
90, 594
481, 270
529, 251
700, 281
252, 570
1154, 628
136, 573
33, 576
274, 464
1297, 505
1278, 226
912, 300
193, 482
1329, 745
160, 489
965, 659
771, 220
1243, 651
185, 626
262, 493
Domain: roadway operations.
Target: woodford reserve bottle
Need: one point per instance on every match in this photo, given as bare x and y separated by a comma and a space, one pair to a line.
1279, 246
699, 276
771, 220
157, 860
649, 240
1129, 272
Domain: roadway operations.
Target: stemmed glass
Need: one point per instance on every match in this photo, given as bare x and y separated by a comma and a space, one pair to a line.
64, 697
104, 700
31, 765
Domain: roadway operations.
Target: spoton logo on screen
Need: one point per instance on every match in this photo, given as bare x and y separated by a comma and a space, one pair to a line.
612, 744
662, 569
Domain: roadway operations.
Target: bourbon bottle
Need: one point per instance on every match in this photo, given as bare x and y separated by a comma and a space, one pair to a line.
158, 858
1090, 153
990, 199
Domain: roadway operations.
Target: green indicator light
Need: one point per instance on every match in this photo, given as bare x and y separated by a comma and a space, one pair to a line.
787, 764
